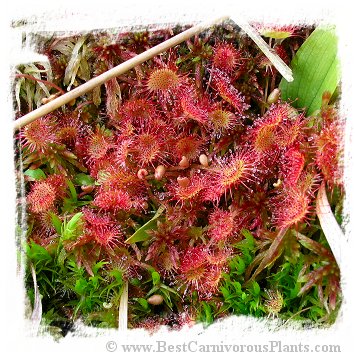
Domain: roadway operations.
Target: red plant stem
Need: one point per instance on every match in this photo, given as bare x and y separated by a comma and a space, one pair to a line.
83, 104
50, 84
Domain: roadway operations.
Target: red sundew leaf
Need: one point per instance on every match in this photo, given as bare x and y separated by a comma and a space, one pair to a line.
291, 206
226, 57
41, 197
193, 110
293, 165
313, 246
313, 278
228, 92
99, 142
272, 254
330, 152
113, 200
40, 135
334, 289
221, 225
193, 258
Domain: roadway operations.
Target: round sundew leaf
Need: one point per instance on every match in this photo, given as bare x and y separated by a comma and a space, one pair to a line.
315, 69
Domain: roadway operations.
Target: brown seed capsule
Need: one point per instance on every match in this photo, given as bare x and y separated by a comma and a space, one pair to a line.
273, 96
183, 181
142, 173
159, 172
184, 163
72, 102
87, 189
203, 160
155, 299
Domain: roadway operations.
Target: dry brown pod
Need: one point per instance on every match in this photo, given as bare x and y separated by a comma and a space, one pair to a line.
273, 96
159, 172
184, 163
87, 189
155, 299
203, 160
142, 173
183, 181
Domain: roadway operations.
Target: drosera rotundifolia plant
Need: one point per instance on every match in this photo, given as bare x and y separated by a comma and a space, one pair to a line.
191, 179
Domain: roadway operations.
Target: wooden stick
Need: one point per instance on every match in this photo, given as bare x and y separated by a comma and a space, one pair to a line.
114, 72
279, 64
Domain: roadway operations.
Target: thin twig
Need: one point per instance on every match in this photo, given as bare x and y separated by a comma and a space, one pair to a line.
294, 315
114, 72
49, 84
83, 104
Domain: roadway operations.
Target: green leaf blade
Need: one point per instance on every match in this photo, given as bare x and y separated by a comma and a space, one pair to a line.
36, 174
141, 234
74, 221
57, 223
315, 69
84, 179
156, 278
